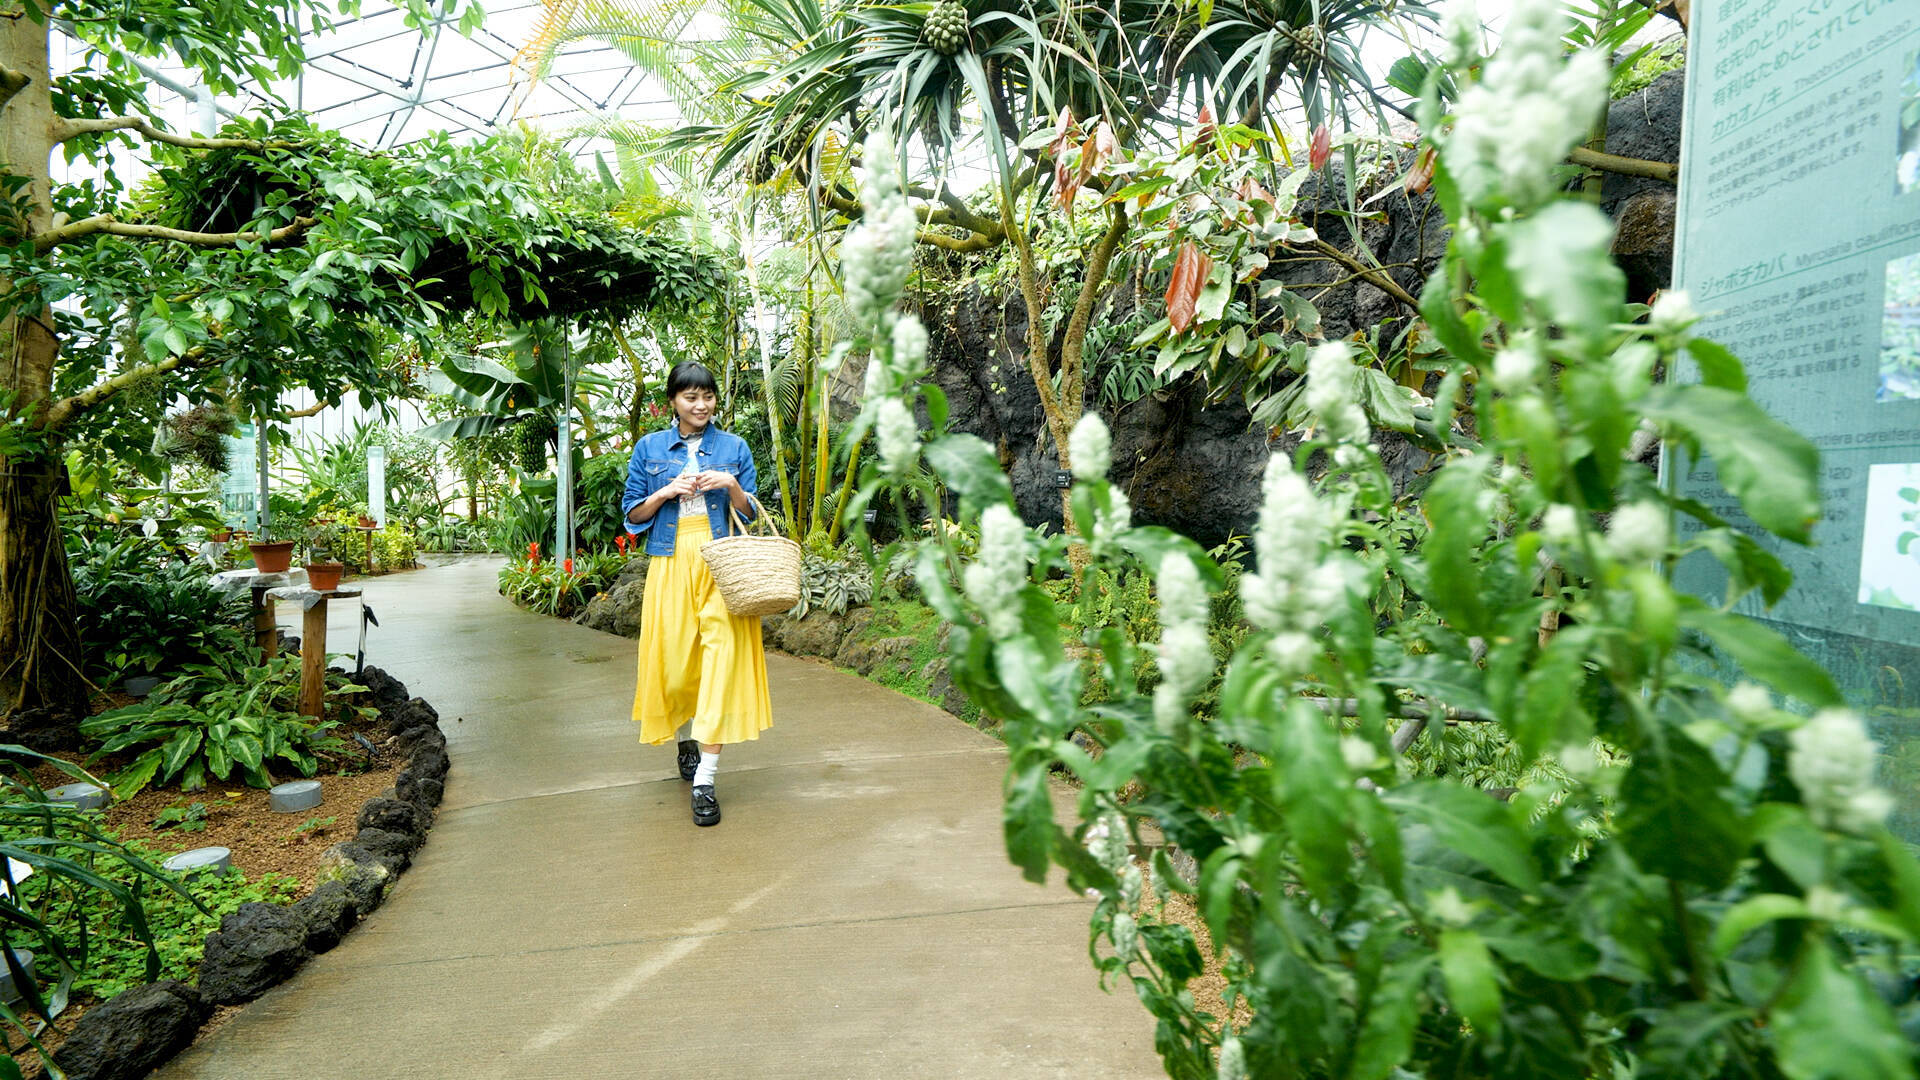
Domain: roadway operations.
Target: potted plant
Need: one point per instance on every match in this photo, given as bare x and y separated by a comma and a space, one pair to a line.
323, 571
271, 555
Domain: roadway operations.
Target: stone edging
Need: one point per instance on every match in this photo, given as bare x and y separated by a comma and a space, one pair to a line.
261, 945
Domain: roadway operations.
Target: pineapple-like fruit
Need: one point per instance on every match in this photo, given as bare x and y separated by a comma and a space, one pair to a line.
947, 27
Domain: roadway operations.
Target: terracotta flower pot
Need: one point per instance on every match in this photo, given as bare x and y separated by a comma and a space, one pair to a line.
273, 558
324, 577
368, 523
221, 536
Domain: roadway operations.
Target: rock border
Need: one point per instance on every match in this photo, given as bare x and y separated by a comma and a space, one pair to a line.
261, 945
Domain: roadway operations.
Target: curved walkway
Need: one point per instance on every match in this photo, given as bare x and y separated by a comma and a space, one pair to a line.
854, 915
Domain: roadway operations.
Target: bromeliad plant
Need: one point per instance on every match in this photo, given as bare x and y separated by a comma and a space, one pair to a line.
1728, 903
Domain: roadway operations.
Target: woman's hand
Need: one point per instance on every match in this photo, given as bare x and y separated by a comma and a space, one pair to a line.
681, 485
716, 480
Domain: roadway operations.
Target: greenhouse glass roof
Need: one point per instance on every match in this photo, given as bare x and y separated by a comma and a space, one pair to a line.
385, 84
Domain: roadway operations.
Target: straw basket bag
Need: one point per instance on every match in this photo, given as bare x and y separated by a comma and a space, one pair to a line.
757, 575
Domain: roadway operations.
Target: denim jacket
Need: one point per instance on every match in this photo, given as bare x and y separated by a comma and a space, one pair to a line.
659, 457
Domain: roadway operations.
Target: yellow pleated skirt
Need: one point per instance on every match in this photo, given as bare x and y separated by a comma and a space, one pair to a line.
697, 661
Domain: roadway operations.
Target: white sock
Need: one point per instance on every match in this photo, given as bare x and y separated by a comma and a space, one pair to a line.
709, 764
682, 734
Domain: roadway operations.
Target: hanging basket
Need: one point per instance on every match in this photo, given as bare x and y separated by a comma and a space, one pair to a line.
756, 575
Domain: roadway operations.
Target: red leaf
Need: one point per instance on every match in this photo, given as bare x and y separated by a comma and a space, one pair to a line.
1251, 191
1066, 180
1321, 149
1205, 133
1190, 270
1093, 154
1421, 177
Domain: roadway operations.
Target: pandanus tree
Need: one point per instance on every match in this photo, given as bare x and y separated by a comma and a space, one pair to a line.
1061, 93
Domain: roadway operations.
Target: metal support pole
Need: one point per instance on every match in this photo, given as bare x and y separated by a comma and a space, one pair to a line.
563, 472
260, 452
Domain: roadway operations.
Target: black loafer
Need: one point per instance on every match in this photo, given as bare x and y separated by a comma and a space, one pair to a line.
689, 758
706, 809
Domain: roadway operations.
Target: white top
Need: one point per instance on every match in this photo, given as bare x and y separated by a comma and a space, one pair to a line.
696, 503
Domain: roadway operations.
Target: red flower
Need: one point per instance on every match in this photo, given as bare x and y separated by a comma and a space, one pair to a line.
533, 551
620, 542
1321, 148
568, 564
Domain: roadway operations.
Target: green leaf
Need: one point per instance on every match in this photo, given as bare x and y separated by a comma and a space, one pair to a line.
968, 465
1386, 1033
1311, 785
1772, 469
1459, 526
1830, 1024
1028, 820
1559, 259
1437, 307
1751, 914
1474, 824
1764, 655
1671, 814
1473, 982
1718, 365
1550, 713
1390, 403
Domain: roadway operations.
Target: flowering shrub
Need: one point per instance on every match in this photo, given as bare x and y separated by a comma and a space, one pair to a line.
1708, 890
560, 587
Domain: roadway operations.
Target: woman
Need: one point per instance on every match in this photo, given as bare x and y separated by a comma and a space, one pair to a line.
703, 675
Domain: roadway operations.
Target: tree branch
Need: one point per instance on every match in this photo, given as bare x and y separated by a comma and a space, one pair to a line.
314, 409
1625, 166
64, 411
976, 239
64, 129
1374, 277
11, 83
107, 223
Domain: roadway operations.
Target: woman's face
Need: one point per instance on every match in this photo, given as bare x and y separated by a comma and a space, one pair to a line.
694, 406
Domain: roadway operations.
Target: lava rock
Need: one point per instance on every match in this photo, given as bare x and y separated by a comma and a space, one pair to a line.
328, 912
420, 737
429, 763
366, 878
387, 844
386, 691
866, 657
46, 729
1646, 125
1643, 241
413, 713
616, 611
133, 1032
819, 634
418, 790
393, 815
256, 947
941, 689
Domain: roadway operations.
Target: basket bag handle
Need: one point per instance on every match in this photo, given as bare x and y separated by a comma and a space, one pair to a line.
760, 514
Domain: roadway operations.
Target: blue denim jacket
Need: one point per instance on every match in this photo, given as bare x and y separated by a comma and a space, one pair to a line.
659, 457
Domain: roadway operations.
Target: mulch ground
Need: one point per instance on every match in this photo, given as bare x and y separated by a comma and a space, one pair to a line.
241, 819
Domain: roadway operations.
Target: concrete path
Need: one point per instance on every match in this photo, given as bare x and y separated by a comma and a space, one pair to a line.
854, 914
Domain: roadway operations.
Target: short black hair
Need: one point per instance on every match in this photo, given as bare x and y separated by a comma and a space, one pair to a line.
689, 375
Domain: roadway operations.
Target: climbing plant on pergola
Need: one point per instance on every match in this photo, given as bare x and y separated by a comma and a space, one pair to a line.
272, 258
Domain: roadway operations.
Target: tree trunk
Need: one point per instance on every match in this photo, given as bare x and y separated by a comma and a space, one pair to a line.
39, 645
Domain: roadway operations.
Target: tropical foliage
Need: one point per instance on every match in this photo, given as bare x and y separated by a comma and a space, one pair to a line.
1734, 881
